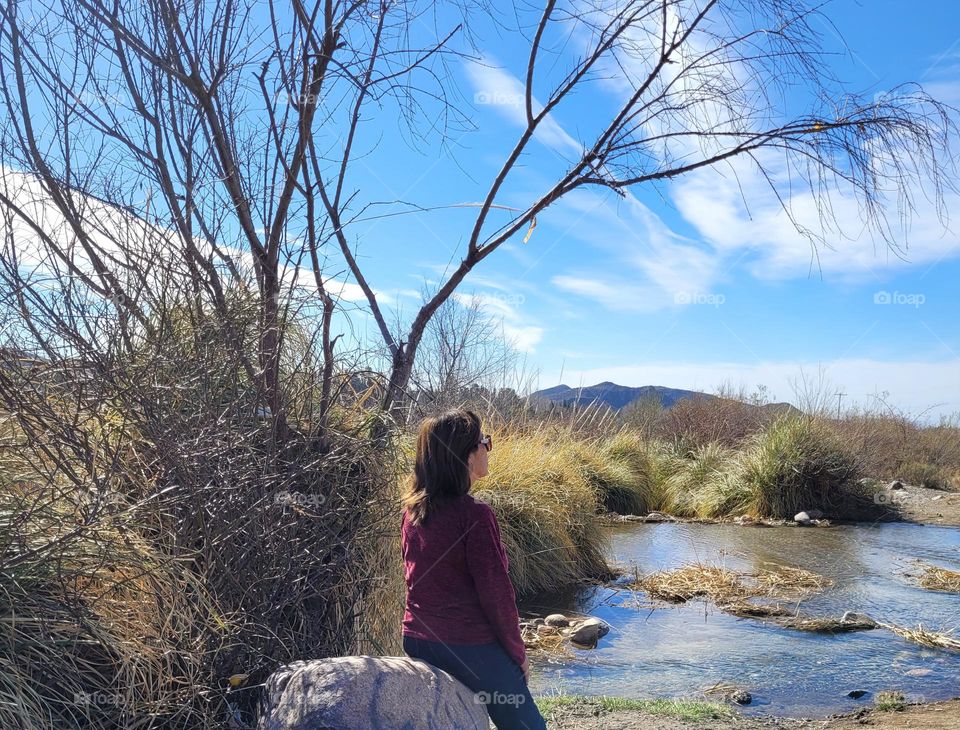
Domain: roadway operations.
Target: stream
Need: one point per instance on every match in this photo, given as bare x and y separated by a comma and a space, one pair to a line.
662, 650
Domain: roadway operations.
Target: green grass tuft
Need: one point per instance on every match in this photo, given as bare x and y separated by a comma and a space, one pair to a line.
689, 710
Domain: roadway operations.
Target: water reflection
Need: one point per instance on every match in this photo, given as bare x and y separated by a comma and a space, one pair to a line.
674, 651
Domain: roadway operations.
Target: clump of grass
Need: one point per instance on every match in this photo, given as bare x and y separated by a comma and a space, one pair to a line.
690, 581
691, 710
783, 579
619, 488
935, 578
546, 509
794, 464
890, 700
727, 587
646, 462
696, 476
926, 637
101, 629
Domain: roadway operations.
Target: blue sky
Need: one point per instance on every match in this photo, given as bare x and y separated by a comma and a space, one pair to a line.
682, 284
676, 285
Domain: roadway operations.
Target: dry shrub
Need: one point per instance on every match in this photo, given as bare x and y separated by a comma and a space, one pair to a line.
893, 446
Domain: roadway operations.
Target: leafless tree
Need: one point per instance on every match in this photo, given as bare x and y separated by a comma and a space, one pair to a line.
464, 346
234, 132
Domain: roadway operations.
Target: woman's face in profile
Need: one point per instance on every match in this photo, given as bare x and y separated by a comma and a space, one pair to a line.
478, 463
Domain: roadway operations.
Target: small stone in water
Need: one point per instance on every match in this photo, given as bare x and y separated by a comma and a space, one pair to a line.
857, 693
741, 697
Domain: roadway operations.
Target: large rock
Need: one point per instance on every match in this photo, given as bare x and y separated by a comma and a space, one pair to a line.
363, 692
585, 634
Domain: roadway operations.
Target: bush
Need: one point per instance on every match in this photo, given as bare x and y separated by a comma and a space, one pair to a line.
699, 484
648, 464
796, 464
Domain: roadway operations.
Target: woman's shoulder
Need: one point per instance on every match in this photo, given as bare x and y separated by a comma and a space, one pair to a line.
477, 506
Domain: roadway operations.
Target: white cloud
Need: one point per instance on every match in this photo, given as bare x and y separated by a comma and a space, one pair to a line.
503, 91
657, 268
713, 201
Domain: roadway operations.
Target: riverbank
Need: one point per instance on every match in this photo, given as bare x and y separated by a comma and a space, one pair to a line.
927, 506
590, 713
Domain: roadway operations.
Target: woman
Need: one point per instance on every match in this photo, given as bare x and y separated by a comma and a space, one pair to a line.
461, 612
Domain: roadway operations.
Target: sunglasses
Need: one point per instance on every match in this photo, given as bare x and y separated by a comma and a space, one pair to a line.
486, 441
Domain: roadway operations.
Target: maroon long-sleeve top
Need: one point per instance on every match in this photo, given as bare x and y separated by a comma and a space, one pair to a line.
458, 588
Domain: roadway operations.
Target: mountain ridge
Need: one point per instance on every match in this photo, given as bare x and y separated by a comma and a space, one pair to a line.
618, 396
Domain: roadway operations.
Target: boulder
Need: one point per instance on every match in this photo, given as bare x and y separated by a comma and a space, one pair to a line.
585, 634
659, 517
851, 617
741, 697
895, 484
362, 692
856, 694
556, 619
802, 518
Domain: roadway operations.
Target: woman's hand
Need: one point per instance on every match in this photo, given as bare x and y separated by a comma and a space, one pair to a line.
526, 669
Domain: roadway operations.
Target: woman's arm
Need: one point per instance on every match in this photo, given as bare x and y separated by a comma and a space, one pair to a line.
488, 564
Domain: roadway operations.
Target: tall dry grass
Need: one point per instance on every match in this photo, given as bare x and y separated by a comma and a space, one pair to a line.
546, 505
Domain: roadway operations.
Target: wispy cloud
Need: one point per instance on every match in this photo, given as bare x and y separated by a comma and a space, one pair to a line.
499, 89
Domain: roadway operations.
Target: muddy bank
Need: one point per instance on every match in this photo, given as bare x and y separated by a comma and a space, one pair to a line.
591, 715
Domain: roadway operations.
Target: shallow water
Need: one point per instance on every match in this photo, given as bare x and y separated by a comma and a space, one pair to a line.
678, 650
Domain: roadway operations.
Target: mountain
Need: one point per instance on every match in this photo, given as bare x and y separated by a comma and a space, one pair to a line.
613, 395
617, 396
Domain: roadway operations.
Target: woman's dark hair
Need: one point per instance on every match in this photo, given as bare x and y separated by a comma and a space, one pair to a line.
440, 473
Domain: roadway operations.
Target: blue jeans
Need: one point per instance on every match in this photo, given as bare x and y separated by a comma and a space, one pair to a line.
486, 669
